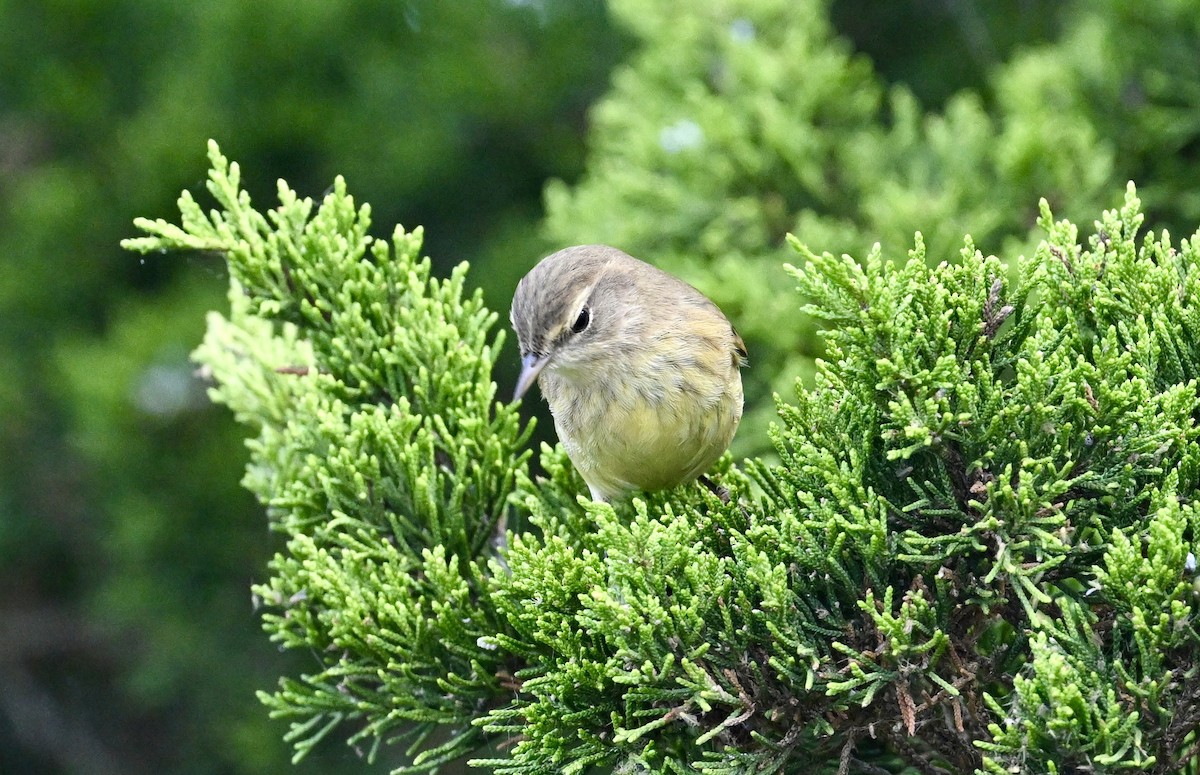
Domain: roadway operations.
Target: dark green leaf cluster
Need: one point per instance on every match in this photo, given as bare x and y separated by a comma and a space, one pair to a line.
1031, 445
975, 552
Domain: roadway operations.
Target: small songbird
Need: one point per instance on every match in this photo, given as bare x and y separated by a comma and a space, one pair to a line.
640, 369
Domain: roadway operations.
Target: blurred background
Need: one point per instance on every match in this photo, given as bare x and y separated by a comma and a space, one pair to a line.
128, 641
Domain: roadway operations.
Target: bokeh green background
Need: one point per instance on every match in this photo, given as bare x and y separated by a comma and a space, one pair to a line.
128, 640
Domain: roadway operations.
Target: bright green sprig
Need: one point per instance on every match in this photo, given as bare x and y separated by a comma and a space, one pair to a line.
380, 453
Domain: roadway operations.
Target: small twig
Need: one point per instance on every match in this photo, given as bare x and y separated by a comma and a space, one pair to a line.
908, 709
299, 371
847, 750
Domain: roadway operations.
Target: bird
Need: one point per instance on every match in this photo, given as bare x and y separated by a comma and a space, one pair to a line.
640, 369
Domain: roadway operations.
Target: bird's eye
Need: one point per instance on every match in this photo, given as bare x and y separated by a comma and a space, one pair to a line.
581, 322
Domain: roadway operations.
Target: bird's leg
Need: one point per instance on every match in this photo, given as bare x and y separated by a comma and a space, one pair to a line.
715, 489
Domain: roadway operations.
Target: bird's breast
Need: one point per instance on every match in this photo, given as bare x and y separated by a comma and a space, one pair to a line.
649, 419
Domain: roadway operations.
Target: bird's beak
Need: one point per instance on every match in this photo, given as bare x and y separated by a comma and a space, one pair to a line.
531, 367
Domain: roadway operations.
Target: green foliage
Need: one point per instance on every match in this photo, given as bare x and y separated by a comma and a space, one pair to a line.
974, 552
1017, 430
381, 455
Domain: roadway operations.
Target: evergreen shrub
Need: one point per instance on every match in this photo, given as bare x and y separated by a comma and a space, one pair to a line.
973, 551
